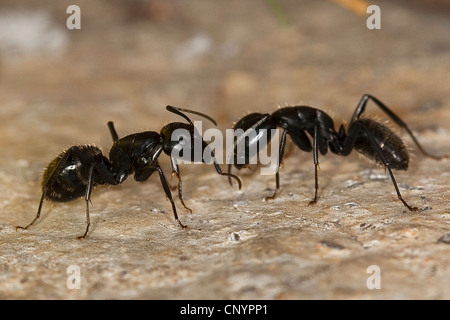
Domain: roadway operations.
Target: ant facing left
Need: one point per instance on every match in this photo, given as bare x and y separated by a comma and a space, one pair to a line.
365, 135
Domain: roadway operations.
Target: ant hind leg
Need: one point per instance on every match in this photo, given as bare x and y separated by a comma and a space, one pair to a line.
37, 215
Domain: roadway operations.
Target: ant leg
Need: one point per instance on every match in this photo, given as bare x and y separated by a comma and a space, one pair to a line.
398, 191
38, 212
166, 188
316, 164
113, 131
229, 175
280, 160
176, 172
362, 106
219, 171
205, 146
87, 198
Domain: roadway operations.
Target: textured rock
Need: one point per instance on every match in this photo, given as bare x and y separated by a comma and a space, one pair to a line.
237, 246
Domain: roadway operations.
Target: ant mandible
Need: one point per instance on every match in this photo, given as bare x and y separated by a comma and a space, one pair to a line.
77, 170
370, 138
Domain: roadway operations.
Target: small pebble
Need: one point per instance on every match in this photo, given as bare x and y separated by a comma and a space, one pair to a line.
445, 238
233, 237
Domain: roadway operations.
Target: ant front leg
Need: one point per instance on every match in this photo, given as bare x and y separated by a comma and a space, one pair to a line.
229, 175
176, 172
361, 108
212, 157
44, 192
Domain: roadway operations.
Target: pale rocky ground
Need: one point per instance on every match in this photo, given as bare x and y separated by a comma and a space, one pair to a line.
60, 87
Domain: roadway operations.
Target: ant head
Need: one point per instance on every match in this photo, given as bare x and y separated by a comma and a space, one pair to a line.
181, 140
177, 139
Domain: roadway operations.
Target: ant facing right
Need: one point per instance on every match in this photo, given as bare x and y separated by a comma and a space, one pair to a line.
370, 138
76, 171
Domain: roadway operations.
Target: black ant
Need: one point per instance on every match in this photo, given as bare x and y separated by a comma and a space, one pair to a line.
370, 138
77, 170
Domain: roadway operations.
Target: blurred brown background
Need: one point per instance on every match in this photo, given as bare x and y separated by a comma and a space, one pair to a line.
130, 59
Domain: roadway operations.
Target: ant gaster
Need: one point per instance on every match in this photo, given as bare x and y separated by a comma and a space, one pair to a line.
372, 139
77, 170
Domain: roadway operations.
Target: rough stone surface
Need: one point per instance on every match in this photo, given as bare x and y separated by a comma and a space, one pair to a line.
130, 60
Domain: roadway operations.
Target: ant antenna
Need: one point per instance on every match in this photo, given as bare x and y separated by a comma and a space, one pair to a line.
177, 111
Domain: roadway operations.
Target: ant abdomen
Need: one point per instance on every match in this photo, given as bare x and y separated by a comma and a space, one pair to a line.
70, 181
390, 145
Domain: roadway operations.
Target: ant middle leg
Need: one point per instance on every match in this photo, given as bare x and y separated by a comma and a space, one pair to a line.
280, 160
87, 198
316, 165
166, 188
229, 175
212, 158
176, 172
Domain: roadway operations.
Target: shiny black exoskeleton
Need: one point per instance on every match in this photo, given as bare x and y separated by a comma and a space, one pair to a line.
180, 141
77, 170
372, 139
